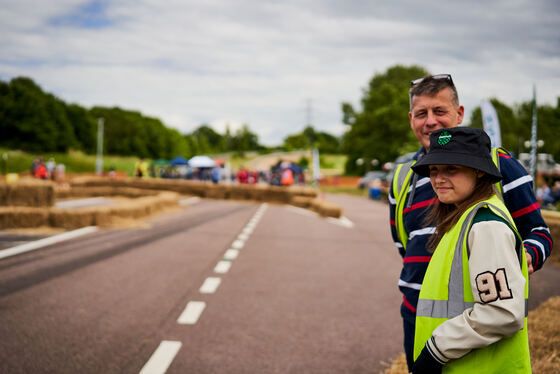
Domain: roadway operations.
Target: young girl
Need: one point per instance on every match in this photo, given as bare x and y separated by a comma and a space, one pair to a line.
472, 308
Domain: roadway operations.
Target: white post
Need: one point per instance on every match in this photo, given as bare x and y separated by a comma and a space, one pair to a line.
534, 139
99, 161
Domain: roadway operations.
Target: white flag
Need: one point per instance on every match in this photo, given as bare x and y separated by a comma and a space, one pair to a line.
491, 123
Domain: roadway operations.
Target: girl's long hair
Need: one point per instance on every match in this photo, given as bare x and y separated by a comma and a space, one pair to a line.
444, 216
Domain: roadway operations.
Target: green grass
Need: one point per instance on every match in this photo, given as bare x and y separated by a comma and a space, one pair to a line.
335, 162
78, 162
75, 161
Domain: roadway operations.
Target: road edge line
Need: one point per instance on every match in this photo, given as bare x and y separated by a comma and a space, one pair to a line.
31, 246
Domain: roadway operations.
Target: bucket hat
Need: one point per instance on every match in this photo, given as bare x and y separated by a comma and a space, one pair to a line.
464, 146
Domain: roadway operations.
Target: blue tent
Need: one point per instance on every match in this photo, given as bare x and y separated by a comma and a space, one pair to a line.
179, 160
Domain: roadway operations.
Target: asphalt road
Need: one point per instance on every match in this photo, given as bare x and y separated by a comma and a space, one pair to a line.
218, 287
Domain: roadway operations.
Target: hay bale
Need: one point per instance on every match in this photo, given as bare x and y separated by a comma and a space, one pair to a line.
86, 191
217, 192
302, 201
72, 219
23, 217
304, 191
276, 194
326, 208
28, 193
240, 192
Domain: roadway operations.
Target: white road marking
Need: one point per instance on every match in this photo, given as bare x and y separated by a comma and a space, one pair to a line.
243, 236
342, 221
81, 203
231, 254
210, 285
299, 210
189, 200
222, 267
31, 246
247, 230
238, 244
161, 358
191, 313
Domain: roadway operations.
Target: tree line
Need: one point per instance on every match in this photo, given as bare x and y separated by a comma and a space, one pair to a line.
380, 129
37, 121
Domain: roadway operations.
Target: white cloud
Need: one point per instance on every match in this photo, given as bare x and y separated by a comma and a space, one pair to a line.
218, 62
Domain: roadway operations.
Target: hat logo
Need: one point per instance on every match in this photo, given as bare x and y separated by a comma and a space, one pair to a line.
444, 138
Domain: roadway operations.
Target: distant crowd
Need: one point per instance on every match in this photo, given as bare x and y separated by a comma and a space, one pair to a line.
49, 170
547, 196
281, 174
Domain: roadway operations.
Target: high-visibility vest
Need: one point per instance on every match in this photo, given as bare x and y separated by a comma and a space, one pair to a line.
401, 187
446, 293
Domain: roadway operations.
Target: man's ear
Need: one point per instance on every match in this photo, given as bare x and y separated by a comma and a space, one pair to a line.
480, 174
460, 113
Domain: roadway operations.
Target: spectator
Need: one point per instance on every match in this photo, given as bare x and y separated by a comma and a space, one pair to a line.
40, 170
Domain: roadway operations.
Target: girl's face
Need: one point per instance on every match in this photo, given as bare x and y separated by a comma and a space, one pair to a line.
453, 183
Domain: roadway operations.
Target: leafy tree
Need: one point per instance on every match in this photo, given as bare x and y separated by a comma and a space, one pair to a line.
212, 141
381, 129
35, 121
516, 122
245, 140
309, 138
84, 127
296, 141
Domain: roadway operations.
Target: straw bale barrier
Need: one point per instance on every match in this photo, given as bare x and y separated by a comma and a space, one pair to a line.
24, 217
552, 219
302, 201
30, 193
81, 191
325, 208
300, 196
103, 216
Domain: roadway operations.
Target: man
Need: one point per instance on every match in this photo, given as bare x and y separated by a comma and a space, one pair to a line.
434, 104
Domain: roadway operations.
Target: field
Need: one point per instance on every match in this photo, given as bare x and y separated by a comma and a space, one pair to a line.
74, 161
14, 161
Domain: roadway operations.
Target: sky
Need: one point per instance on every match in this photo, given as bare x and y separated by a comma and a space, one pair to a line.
274, 65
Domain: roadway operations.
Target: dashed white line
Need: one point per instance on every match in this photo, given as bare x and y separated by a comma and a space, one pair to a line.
191, 313
222, 267
342, 221
210, 285
302, 211
243, 236
46, 241
238, 244
189, 200
231, 254
161, 358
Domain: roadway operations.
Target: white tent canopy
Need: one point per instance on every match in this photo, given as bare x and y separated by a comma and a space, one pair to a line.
201, 162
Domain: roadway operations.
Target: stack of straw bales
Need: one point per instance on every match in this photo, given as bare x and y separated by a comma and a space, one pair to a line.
30, 204
305, 197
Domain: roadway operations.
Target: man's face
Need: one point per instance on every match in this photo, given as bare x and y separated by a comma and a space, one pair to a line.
431, 113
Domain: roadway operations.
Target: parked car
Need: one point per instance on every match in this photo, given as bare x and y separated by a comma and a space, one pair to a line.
371, 176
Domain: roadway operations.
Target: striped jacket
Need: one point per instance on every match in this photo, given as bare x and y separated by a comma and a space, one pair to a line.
518, 197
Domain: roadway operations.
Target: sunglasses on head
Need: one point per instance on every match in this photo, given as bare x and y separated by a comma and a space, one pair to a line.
437, 76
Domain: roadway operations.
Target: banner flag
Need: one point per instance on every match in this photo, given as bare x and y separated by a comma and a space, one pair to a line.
491, 123
315, 163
